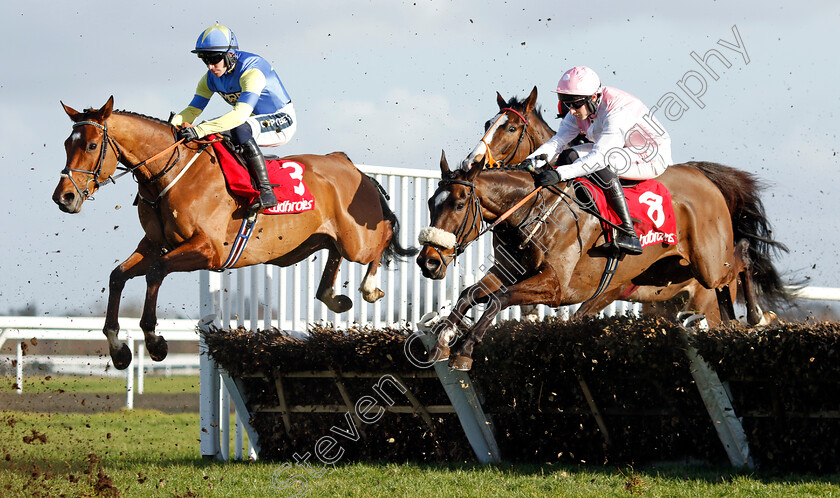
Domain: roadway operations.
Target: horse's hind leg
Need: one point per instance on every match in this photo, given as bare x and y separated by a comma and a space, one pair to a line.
326, 289
136, 264
370, 292
755, 316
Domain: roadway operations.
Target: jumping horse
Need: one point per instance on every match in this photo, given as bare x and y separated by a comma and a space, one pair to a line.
722, 234
190, 219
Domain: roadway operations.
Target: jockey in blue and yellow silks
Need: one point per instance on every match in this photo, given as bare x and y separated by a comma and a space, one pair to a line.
262, 112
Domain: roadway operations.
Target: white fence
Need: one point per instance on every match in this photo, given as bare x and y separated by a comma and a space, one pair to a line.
29, 329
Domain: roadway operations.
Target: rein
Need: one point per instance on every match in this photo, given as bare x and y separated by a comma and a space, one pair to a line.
490, 160
103, 148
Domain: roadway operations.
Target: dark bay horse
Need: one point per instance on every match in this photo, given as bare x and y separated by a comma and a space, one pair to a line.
191, 220
518, 129
563, 264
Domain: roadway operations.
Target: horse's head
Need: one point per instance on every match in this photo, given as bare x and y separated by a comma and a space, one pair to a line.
455, 213
509, 135
89, 163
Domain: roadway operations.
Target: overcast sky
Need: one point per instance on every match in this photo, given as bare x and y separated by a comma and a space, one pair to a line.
392, 83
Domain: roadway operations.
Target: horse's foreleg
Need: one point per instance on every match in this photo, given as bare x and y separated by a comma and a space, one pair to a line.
326, 289
194, 254
447, 330
136, 264
541, 288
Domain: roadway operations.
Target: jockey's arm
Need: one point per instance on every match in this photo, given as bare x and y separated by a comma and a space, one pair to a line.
197, 105
568, 130
611, 141
252, 83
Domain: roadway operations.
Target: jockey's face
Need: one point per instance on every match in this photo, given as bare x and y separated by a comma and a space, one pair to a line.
218, 68
578, 109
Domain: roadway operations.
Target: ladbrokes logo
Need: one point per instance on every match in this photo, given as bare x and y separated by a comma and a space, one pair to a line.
292, 207
652, 237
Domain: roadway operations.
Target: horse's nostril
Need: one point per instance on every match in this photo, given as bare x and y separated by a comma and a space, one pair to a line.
68, 198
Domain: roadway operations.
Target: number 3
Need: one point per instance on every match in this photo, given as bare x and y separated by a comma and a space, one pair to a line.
297, 174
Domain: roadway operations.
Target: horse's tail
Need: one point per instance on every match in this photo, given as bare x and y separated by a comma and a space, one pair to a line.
394, 249
749, 221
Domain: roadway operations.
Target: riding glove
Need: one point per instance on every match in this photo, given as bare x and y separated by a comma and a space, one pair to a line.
547, 178
186, 134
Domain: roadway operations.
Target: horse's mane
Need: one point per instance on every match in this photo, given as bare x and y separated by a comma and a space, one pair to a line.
517, 103
137, 114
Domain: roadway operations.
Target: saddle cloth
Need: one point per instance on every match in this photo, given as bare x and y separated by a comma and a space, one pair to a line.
650, 208
293, 196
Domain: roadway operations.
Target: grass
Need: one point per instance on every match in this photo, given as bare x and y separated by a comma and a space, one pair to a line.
152, 384
148, 453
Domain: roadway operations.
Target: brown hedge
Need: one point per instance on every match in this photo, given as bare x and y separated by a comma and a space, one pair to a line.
529, 376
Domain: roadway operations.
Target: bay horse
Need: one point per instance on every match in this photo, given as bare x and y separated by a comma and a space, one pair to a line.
190, 218
519, 128
563, 264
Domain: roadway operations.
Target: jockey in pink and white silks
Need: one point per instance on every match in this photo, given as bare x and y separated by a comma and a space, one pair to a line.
262, 114
628, 142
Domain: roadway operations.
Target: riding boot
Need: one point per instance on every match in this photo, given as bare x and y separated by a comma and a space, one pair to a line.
255, 161
626, 239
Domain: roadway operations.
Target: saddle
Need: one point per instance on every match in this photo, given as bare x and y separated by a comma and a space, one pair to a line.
286, 177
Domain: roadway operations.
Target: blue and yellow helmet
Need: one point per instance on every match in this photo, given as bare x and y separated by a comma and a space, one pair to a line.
216, 38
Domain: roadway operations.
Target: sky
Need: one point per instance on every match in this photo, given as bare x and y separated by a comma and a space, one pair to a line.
392, 83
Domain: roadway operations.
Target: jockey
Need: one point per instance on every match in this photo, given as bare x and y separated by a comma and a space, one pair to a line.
262, 111
628, 142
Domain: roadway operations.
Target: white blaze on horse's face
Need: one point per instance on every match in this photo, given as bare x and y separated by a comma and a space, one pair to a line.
439, 199
499, 120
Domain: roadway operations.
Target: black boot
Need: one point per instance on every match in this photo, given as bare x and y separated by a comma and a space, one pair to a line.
615, 196
255, 161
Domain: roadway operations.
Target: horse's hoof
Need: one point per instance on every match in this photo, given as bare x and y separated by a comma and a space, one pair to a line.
341, 304
122, 358
157, 348
440, 353
461, 363
374, 295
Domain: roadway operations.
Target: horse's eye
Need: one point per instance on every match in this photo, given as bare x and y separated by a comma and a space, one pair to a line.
91, 146
460, 206
512, 129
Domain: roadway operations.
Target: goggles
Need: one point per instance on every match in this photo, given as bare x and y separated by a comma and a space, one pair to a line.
211, 58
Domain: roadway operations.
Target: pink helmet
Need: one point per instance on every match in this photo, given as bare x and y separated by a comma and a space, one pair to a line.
579, 80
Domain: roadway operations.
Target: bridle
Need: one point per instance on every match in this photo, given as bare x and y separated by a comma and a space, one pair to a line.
490, 160
97, 171
103, 150
471, 218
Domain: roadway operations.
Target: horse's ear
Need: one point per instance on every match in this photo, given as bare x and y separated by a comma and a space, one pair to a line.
73, 113
444, 164
475, 169
500, 100
531, 101
105, 110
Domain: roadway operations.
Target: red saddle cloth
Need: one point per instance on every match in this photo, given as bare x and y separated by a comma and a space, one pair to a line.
293, 195
650, 207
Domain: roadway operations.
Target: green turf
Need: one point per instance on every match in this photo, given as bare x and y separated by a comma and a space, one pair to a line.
153, 384
148, 453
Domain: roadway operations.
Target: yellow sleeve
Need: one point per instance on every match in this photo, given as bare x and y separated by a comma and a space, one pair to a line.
252, 83
199, 102
232, 119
